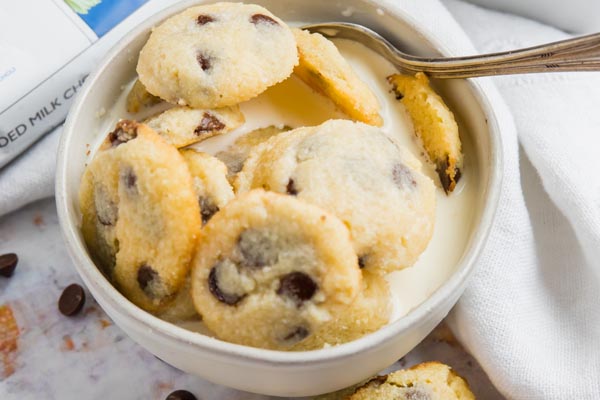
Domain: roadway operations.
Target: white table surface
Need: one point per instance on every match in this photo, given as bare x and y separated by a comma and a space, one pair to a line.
44, 355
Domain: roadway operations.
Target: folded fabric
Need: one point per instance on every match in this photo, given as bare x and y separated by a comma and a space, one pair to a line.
31, 176
531, 314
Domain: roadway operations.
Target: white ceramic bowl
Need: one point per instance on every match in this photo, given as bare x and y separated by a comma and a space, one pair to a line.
247, 368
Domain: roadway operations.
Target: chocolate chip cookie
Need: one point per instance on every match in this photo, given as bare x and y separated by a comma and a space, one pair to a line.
271, 269
141, 217
360, 175
427, 381
217, 55
210, 182
235, 155
182, 126
323, 68
434, 124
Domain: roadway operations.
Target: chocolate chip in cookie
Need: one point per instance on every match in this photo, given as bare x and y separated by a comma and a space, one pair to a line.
403, 177
207, 208
204, 19
129, 179
262, 19
106, 209
204, 61
416, 394
297, 286
147, 277
125, 131
291, 188
297, 335
208, 123
215, 286
257, 248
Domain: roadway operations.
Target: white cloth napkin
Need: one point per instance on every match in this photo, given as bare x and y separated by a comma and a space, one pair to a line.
531, 314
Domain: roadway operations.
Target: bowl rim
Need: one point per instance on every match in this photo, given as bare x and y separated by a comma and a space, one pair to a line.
93, 277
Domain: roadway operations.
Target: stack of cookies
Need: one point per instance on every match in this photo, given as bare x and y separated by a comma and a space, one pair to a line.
282, 240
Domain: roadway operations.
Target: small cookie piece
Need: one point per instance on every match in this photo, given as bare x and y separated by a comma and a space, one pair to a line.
427, 381
235, 155
324, 69
434, 123
140, 214
357, 173
217, 55
210, 182
370, 311
270, 270
182, 126
138, 98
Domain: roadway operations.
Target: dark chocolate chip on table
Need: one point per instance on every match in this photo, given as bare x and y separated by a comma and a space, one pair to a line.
181, 395
8, 263
71, 300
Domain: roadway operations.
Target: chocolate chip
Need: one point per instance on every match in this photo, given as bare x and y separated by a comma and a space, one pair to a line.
262, 19
71, 300
213, 285
297, 286
257, 248
399, 96
181, 395
129, 179
207, 208
204, 19
448, 182
416, 394
209, 123
291, 188
457, 175
8, 263
146, 276
125, 131
362, 261
403, 177
106, 219
297, 335
203, 61
106, 210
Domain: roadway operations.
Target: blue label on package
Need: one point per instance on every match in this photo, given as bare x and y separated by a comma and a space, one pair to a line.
105, 14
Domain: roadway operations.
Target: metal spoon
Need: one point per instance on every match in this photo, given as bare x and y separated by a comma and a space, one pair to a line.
577, 54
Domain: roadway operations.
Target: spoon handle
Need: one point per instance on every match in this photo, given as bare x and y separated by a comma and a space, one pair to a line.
577, 54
